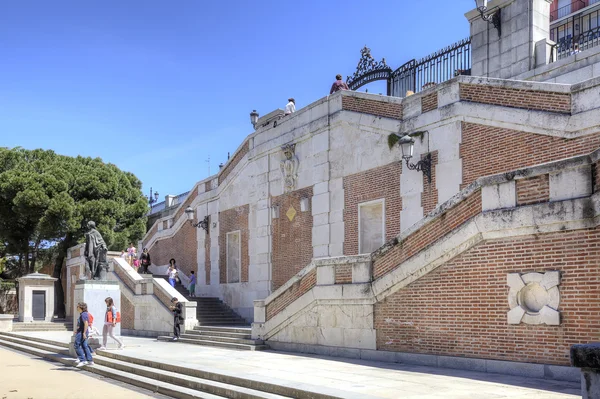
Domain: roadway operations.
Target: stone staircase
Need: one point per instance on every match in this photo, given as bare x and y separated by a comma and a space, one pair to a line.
218, 325
55, 325
163, 378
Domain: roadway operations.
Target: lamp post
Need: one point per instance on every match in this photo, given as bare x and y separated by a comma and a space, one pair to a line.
204, 223
493, 17
153, 200
407, 145
253, 118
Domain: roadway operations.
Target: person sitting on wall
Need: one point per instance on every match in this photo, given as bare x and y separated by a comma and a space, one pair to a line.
290, 108
338, 85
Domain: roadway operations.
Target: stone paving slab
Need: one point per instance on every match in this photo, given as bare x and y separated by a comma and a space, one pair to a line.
348, 378
27, 377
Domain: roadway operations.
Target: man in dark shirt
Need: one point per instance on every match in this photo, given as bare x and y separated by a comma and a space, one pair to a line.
82, 348
338, 85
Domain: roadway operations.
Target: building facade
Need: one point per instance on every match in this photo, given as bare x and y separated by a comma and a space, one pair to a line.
330, 242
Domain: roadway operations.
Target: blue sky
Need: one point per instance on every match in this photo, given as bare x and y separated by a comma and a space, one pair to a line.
156, 87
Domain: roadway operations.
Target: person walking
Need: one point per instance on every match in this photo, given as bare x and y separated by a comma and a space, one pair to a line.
110, 322
172, 275
177, 309
84, 353
338, 85
145, 261
290, 108
131, 252
192, 284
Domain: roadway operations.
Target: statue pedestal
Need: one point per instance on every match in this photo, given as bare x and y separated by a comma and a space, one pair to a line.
93, 293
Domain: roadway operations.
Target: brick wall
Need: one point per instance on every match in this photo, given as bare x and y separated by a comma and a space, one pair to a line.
460, 308
429, 102
207, 264
127, 313
533, 190
382, 182
232, 220
428, 234
298, 289
429, 196
343, 274
183, 247
373, 107
237, 157
516, 98
506, 150
292, 240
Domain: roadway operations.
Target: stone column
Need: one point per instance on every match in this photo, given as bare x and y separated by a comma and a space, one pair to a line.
523, 24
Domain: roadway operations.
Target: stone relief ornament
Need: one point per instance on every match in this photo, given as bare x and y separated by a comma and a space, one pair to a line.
534, 298
289, 167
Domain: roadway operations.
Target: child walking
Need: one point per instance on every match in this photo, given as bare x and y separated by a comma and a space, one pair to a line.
110, 321
192, 285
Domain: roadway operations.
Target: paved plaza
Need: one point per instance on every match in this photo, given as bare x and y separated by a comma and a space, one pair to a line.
27, 377
348, 378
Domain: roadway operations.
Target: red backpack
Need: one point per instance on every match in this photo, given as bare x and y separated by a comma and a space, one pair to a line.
109, 317
90, 319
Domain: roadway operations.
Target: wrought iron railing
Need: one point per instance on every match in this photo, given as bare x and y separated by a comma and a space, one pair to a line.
568, 9
574, 44
438, 67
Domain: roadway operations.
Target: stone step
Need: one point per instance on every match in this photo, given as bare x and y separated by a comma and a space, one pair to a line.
232, 379
219, 323
220, 334
220, 338
228, 345
99, 367
241, 329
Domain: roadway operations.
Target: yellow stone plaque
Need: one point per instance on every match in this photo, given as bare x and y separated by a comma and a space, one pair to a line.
291, 213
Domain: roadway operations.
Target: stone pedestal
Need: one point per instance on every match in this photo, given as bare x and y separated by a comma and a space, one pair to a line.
38, 288
587, 358
6, 321
93, 293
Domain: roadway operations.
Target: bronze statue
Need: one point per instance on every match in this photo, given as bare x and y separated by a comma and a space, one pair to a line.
95, 253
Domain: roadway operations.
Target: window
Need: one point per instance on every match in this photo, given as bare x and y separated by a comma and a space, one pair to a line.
234, 256
371, 226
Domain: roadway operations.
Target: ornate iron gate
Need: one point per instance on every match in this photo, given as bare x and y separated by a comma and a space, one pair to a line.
415, 75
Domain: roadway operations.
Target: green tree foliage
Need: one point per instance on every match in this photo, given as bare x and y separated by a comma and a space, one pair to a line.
46, 200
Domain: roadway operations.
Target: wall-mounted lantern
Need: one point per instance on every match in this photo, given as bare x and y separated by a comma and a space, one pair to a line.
407, 145
253, 117
204, 223
493, 17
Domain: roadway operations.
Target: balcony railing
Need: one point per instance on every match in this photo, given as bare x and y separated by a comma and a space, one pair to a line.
574, 44
568, 9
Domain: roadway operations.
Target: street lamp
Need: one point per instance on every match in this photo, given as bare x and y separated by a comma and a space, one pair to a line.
493, 17
407, 145
153, 200
204, 223
253, 117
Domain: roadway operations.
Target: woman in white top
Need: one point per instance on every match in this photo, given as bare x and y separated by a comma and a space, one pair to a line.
172, 274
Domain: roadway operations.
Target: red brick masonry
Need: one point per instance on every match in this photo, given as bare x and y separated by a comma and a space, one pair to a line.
506, 150
533, 190
373, 184
516, 98
429, 102
373, 107
292, 240
294, 292
460, 308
